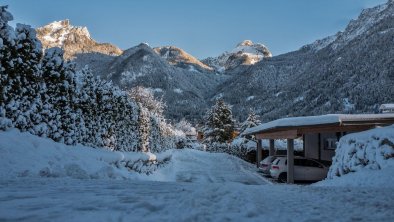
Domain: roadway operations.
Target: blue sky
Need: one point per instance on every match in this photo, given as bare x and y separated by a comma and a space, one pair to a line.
202, 28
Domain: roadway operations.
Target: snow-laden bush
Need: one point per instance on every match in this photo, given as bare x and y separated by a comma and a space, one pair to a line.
241, 146
372, 149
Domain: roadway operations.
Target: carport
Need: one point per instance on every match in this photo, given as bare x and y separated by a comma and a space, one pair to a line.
318, 133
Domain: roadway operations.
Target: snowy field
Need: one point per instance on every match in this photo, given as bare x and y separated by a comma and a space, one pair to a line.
191, 186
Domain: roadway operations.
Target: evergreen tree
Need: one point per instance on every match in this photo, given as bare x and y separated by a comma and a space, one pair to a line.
20, 54
251, 121
219, 123
60, 95
87, 107
7, 47
154, 133
146, 98
241, 145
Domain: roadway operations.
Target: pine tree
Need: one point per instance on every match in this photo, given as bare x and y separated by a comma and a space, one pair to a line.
20, 54
7, 48
146, 98
241, 145
60, 94
219, 123
251, 121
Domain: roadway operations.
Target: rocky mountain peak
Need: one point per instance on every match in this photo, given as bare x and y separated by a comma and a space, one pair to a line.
72, 39
247, 46
246, 43
245, 53
178, 57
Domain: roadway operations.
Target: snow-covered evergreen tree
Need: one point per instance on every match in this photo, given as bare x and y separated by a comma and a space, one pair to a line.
154, 133
241, 145
60, 95
252, 121
146, 98
219, 124
20, 54
7, 48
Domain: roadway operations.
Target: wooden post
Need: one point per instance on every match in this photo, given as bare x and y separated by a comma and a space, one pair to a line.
290, 160
272, 147
258, 152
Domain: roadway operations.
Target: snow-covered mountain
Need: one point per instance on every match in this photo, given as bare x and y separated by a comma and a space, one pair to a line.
73, 40
179, 58
349, 72
184, 91
363, 25
245, 53
171, 73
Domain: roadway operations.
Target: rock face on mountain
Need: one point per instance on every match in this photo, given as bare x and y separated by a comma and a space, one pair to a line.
72, 39
350, 72
246, 53
179, 58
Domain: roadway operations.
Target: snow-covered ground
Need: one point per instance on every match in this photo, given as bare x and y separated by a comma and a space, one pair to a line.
191, 186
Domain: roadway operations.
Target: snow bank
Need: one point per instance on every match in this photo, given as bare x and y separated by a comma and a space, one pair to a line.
365, 158
26, 155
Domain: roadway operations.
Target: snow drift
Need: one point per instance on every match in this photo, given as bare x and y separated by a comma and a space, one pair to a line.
26, 155
23, 155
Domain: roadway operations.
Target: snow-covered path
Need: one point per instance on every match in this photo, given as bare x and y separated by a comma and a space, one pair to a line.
129, 200
202, 167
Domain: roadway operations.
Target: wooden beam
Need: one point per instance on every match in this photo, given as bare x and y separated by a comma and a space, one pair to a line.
288, 134
272, 147
290, 161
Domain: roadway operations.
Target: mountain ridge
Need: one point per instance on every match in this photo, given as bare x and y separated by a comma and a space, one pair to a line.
72, 39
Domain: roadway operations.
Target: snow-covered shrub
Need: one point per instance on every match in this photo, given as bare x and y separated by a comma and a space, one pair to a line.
216, 147
186, 128
372, 149
241, 146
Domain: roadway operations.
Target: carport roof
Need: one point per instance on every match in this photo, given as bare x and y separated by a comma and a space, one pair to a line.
323, 120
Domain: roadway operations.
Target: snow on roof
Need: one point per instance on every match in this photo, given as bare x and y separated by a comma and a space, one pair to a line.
317, 120
387, 106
